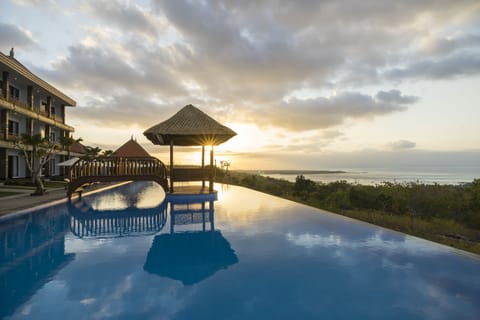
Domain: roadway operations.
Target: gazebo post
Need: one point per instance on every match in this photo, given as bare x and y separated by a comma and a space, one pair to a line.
203, 165
210, 185
171, 166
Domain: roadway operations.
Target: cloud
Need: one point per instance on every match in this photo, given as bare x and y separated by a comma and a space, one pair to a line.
239, 59
14, 36
396, 97
114, 110
127, 17
402, 145
321, 112
458, 64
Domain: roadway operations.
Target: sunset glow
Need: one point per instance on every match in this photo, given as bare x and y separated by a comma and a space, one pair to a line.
304, 84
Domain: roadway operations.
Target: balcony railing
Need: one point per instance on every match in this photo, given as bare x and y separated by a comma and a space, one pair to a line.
8, 137
25, 105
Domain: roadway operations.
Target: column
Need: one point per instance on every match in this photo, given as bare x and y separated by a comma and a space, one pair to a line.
6, 85
210, 185
3, 163
49, 106
30, 97
62, 112
203, 166
4, 124
171, 166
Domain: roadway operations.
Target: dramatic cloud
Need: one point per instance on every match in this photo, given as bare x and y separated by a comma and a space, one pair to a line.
14, 36
127, 17
300, 67
299, 115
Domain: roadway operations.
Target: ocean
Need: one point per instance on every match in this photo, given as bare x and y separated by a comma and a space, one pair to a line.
373, 176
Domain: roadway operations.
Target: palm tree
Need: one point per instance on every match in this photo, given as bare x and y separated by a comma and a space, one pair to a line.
67, 143
107, 153
42, 149
93, 151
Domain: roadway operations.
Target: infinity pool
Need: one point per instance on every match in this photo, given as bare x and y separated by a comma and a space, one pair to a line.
127, 254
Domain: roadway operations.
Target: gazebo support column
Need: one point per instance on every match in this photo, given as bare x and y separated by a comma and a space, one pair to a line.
210, 184
203, 165
171, 166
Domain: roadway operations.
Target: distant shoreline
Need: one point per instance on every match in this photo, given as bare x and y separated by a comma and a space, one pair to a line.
293, 172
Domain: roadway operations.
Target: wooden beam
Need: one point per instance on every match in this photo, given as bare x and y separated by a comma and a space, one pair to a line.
171, 166
203, 164
210, 185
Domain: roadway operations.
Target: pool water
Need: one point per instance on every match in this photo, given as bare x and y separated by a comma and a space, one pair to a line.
127, 254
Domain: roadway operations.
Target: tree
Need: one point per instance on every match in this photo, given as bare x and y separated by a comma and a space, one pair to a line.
107, 153
93, 151
67, 143
41, 149
303, 187
225, 165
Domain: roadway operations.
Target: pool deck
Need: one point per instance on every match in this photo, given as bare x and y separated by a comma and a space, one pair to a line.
24, 201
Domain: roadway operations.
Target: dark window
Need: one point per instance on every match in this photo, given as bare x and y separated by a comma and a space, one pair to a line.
14, 93
13, 128
52, 110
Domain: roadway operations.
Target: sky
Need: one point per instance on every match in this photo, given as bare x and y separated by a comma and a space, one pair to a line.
305, 84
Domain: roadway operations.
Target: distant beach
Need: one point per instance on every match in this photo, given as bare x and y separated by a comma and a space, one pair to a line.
372, 176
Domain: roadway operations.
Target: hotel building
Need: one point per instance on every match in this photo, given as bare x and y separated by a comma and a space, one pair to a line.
30, 105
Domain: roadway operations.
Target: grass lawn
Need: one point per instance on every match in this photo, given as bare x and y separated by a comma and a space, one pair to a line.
7, 193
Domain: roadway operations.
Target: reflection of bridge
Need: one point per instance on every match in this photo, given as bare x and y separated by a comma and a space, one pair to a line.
110, 169
88, 222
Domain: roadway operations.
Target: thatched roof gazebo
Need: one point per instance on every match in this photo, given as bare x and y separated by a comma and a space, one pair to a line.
190, 127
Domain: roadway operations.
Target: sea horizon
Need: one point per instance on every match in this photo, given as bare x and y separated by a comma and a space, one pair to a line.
455, 175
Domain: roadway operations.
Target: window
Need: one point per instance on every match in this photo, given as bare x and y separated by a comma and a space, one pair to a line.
53, 137
13, 128
53, 167
13, 171
14, 93
52, 110
43, 106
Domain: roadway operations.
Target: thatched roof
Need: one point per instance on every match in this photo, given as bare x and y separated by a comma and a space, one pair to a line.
189, 127
131, 148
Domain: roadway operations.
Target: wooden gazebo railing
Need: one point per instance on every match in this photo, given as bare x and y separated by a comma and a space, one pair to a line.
110, 169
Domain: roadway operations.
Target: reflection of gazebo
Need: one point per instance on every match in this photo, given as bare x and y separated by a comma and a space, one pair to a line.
190, 127
189, 257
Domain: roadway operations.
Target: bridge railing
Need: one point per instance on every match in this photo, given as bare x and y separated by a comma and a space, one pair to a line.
100, 169
117, 167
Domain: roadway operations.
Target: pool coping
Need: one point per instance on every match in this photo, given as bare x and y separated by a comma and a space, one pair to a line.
18, 213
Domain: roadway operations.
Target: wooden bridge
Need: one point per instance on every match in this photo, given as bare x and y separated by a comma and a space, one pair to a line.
110, 169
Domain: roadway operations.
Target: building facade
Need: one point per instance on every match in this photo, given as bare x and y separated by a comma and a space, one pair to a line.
29, 105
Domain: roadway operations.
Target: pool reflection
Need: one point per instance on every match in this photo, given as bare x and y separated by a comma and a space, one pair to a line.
85, 221
190, 256
32, 251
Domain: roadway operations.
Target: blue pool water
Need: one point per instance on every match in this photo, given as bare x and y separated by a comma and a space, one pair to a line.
125, 254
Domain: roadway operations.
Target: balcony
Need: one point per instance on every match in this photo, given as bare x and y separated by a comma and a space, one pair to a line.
23, 108
8, 137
